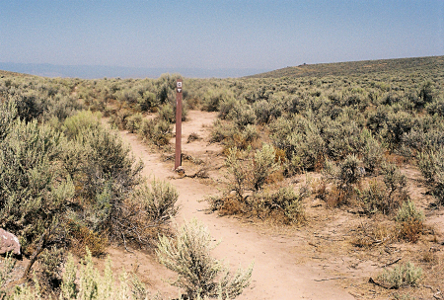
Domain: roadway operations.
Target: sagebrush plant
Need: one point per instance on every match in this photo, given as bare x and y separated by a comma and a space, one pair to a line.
286, 201
394, 180
158, 199
199, 274
146, 214
409, 211
351, 171
34, 189
411, 221
238, 176
86, 283
431, 164
372, 154
377, 198
155, 131
133, 123
264, 165
402, 275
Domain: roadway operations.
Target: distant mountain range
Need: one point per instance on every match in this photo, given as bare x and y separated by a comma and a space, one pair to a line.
92, 72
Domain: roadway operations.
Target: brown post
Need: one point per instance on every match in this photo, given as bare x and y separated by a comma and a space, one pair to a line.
178, 161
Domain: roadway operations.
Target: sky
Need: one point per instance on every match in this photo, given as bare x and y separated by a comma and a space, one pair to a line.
214, 34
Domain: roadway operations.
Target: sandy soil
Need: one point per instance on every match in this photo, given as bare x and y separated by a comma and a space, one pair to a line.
279, 270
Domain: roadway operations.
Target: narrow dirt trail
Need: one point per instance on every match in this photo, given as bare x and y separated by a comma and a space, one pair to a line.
278, 271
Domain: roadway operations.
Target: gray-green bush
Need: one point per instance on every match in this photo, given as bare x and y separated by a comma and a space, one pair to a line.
199, 274
402, 275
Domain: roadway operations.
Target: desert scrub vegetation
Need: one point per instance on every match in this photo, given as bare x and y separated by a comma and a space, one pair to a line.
199, 274
250, 188
67, 183
402, 275
84, 281
411, 221
362, 124
188, 254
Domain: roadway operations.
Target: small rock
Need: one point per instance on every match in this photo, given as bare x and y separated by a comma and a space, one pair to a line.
9, 242
180, 170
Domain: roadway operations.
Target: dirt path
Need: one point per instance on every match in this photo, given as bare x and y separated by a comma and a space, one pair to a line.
278, 272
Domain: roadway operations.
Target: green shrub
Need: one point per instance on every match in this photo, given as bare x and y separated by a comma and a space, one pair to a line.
436, 107
287, 201
200, 275
238, 177
264, 164
166, 112
408, 212
393, 179
351, 171
302, 142
425, 95
242, 115
158, 200
377, 198
265, 111
120, 118
213, 98
146, 101
33, 188
225, 106
82, 122
343, 139
411, 222
133, 123
232, 136
8, 113
155, 131
372, 154
402, 275
431, 164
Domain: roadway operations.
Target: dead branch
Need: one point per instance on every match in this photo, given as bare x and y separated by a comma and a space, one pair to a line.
381, 285
332, 278
391, 263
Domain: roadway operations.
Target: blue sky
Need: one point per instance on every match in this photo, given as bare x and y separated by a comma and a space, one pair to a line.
215, 34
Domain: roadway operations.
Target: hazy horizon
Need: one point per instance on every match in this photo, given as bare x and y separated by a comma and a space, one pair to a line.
97, 71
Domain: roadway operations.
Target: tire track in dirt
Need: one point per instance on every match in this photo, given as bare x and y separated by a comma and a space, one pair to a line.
277, 272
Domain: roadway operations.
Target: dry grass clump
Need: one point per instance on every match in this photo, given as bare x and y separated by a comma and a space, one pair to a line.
374, 234
82, 238
408, 226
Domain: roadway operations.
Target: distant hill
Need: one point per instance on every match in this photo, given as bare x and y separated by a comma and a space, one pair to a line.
9, 73
356, 67
95, 72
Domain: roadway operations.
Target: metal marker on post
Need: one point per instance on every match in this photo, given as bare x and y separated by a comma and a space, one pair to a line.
178, 161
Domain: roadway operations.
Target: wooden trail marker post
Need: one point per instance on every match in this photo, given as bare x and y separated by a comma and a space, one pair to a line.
178, 160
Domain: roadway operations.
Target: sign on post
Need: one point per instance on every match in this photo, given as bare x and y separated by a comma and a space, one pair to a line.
178, 160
